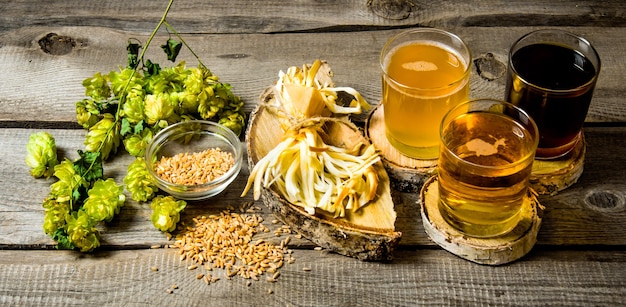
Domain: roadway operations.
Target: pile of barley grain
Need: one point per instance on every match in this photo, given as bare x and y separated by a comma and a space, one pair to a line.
225, 241
194, 168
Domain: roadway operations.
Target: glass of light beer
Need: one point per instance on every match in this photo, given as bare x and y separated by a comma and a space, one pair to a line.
552, 75
487, 150
425, 72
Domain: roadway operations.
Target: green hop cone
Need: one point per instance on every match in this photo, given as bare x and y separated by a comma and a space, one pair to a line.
209, 104
168, 80
69, 181
41, 154
82, 232
124, 81
235, 104
194, 82
87, 112
105, 200
104, 136
133, 107
158, 109
97, 87
187, 102
166, 212
55, 213
233, 120
138, 181
136, 144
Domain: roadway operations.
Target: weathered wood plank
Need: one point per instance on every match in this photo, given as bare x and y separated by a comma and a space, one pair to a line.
246, 43
417, 277
591, 212
21, 211
195, 16
251, 63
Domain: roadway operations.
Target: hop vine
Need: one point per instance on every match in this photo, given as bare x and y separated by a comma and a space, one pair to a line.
124, 109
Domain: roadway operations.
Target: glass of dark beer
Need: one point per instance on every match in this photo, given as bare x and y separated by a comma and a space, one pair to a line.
551, 75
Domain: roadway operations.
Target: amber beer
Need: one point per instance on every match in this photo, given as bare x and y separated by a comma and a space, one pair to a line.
484, 166
552, 75
425, 73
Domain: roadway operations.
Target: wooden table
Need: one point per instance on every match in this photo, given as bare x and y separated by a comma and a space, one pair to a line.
581, 251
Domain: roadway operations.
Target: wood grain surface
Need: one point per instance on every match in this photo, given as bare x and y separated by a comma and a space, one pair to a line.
47, 49
420, 277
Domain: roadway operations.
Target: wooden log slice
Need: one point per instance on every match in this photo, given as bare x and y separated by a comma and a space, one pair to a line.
549, 177
407, 174
490, 251
367, 234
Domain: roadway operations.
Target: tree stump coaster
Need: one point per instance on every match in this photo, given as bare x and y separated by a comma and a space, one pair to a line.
552, 176
490, 251
406, 174
367, 234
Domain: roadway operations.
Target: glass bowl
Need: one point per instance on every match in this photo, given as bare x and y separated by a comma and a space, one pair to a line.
190, 137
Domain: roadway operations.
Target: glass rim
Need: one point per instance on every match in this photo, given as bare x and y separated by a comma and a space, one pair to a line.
593, 52
466, 72
529, 119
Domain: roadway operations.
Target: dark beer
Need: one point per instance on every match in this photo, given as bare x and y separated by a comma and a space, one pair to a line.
554, 84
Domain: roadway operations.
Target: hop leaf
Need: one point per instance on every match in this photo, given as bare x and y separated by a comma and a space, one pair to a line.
41, 154
150, 68
138, 181
105, 200
55, 213
81, 231
89, 166
63, 240
133, 54
172, 48
104, 136
166, 212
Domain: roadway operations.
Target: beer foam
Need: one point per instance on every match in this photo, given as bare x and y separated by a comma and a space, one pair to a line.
420, 66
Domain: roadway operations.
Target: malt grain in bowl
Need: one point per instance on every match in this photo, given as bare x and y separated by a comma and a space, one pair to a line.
189, 142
